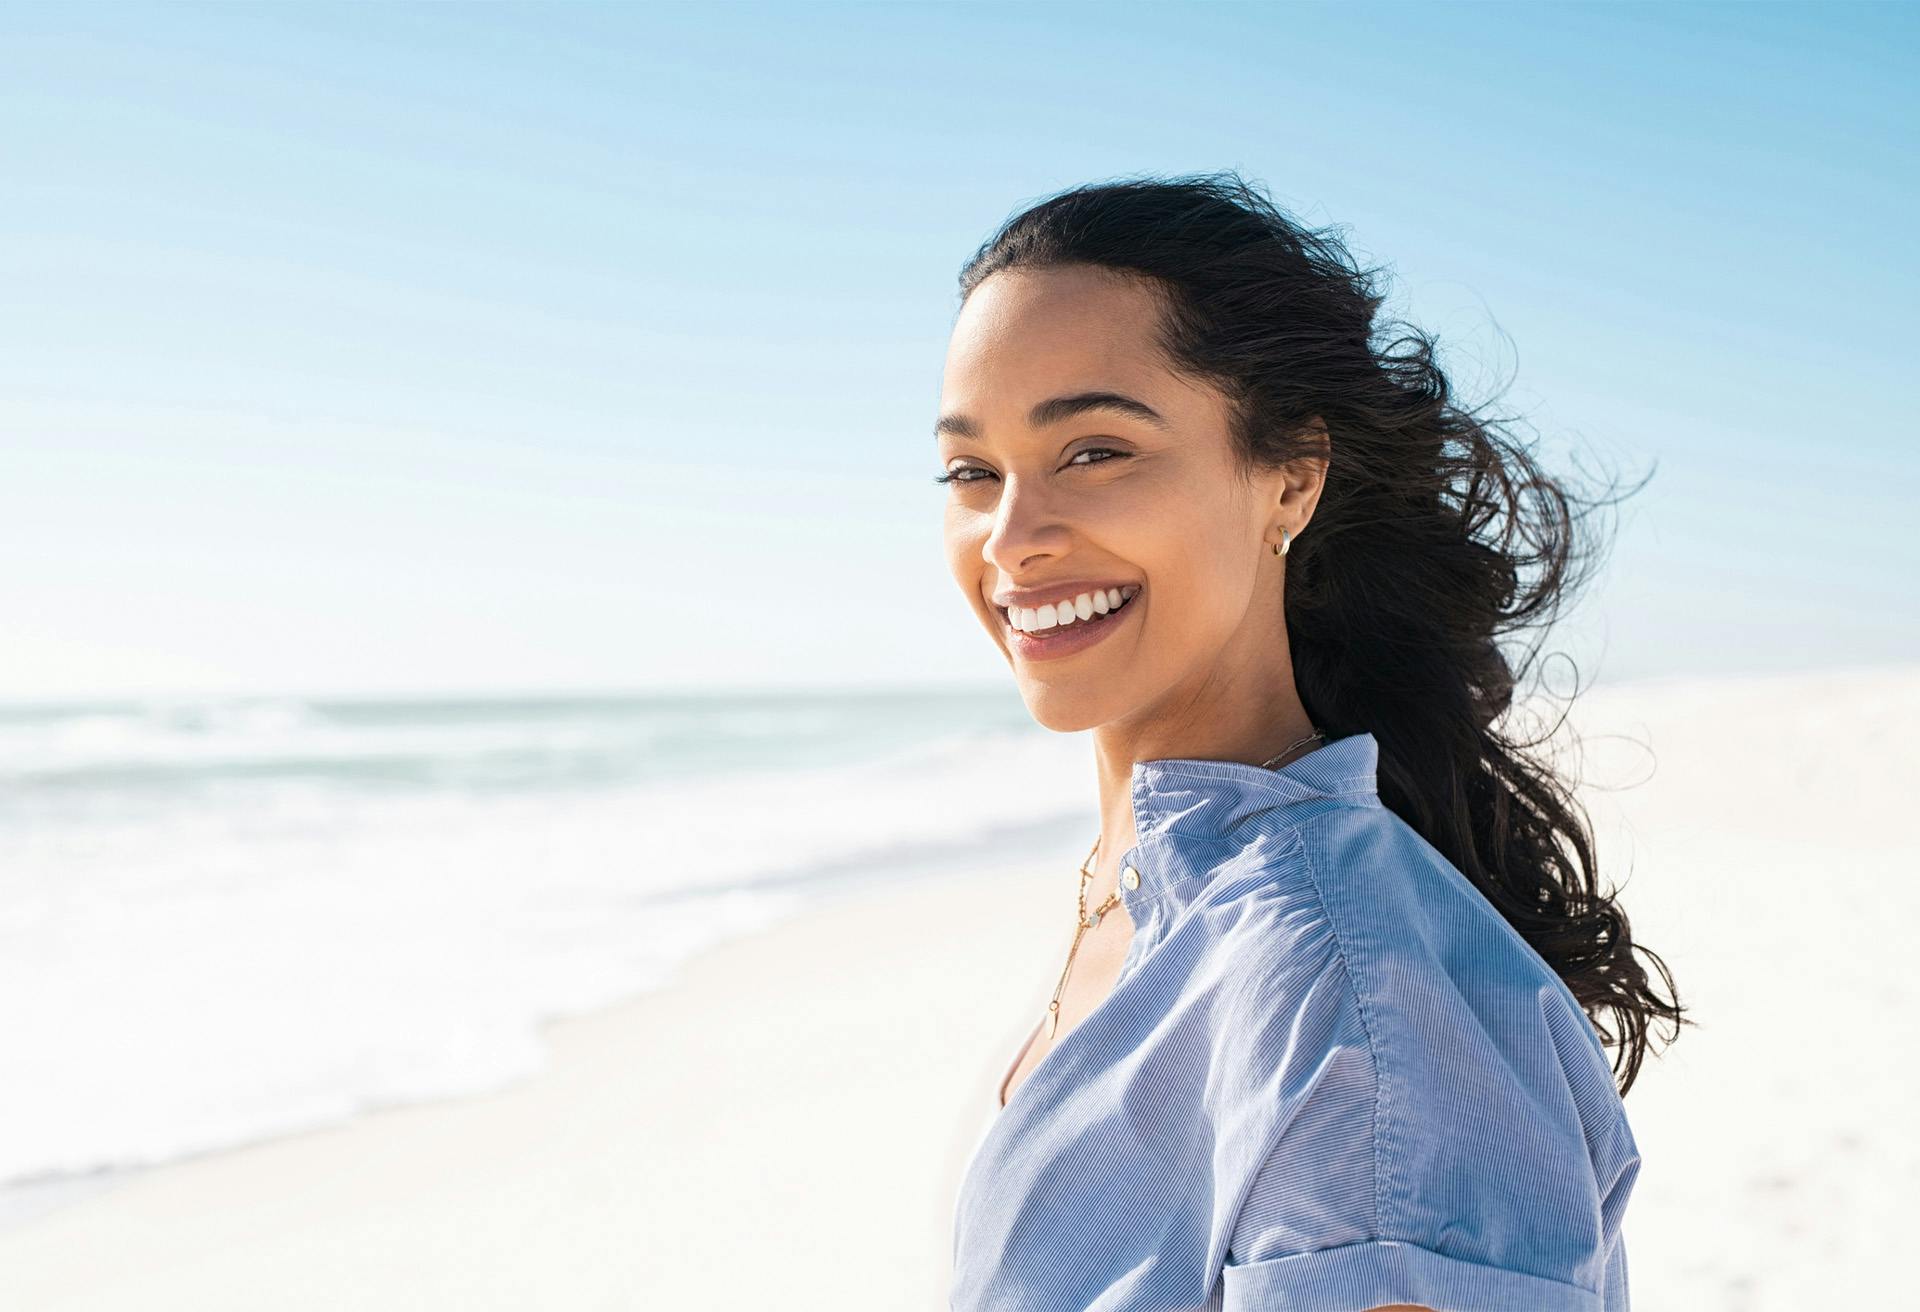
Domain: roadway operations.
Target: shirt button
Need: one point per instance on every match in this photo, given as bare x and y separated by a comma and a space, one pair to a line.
1130, 877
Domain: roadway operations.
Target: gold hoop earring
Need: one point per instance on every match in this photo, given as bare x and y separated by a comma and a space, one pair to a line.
1280, 547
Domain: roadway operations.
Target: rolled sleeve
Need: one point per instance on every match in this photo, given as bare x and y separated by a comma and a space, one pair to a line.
1354, 1277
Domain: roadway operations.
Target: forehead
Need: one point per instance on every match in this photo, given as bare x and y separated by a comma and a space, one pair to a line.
1031, 333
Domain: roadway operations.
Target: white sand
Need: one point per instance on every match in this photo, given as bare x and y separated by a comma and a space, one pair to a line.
786, 1126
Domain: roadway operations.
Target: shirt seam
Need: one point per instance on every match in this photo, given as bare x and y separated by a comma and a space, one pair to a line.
1382, 1181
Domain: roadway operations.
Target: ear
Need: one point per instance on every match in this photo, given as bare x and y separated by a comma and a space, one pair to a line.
1297, 485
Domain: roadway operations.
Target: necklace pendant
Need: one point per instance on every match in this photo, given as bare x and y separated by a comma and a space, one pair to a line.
1053, 1020
1093, 920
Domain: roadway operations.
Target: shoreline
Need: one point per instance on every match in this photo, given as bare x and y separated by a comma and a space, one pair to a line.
791, 1105
24, 1201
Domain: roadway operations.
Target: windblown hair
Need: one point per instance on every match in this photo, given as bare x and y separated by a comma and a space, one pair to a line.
1436, 534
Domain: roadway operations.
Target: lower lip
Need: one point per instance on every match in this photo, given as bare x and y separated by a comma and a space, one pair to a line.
1078, 636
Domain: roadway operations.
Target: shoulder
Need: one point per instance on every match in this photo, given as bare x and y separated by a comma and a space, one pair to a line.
1425, 1079
1452, 994
1435, 963
1347, 938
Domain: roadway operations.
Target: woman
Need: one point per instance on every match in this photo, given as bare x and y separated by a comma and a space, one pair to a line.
1321, 1039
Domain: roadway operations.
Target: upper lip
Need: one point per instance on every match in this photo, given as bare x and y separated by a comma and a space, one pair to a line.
1008, 598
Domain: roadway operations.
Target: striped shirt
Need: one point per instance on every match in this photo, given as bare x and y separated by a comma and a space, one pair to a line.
1329, 1076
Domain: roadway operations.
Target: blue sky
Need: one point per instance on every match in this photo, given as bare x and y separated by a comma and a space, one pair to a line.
376, 348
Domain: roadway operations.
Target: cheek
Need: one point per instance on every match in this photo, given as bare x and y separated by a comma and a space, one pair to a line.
1199, 585
962, 540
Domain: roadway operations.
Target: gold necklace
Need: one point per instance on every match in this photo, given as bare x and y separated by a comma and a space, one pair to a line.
1298, 742
1087, 921
1084, 923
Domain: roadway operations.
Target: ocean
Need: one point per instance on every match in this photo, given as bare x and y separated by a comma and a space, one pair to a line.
223, 920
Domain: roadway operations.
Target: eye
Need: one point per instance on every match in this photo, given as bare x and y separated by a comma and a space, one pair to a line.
953, 475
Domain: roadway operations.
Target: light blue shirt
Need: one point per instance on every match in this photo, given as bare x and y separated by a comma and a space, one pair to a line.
1329, 1076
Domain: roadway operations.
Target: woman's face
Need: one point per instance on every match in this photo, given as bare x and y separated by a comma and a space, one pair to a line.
1052, 497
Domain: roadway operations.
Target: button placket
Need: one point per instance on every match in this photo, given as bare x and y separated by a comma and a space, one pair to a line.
1132, 882
1140, 910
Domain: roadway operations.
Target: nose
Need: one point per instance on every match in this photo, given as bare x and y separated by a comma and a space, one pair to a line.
1024, 526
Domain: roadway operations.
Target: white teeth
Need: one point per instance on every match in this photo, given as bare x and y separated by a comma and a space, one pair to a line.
1060, 614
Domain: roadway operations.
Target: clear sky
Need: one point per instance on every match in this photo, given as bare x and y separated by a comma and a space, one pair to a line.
374, 348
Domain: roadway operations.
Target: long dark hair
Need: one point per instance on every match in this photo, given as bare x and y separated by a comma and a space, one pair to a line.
1436, 535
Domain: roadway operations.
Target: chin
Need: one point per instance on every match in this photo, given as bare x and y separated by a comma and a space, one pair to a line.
1064, 710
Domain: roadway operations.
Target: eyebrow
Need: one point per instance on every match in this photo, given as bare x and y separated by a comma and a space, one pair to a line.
1058, 410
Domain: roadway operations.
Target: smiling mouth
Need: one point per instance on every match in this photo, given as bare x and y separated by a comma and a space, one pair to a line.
1090, 622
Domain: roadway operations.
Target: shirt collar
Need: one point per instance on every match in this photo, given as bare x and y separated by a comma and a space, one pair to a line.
1191, 815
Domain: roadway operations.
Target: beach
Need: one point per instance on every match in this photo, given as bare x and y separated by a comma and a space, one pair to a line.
785, 1122
788, 1120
